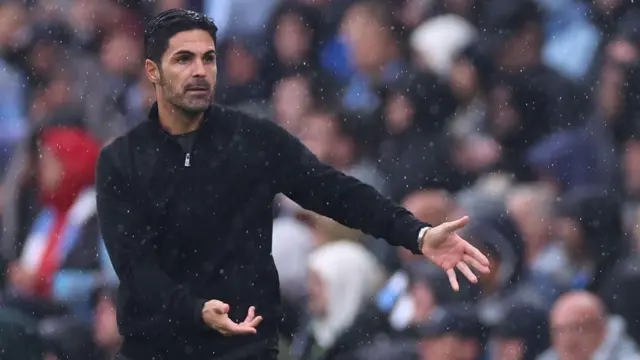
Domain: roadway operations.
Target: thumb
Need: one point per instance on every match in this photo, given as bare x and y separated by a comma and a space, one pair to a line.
453, 226
221, 308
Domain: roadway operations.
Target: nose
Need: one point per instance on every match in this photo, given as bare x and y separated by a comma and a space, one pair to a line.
198, 68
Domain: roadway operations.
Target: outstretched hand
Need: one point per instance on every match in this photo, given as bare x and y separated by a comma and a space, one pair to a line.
216, 314
446, 249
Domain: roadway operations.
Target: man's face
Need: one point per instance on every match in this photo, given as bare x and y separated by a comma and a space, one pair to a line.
364, 36
508, 348
188, 71
575, 334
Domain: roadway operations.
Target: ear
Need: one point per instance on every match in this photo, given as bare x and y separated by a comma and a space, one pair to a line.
152, 70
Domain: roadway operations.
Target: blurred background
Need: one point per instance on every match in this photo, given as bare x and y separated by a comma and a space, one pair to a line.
523, 114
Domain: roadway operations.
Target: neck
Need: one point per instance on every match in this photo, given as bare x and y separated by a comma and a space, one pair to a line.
176, 121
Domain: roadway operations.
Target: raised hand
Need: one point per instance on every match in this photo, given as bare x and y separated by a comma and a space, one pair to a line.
446, 249
216, 314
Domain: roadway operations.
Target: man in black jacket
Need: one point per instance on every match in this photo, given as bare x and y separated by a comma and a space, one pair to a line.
185, 208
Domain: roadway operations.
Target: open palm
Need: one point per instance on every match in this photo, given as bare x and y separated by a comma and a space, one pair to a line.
448, 250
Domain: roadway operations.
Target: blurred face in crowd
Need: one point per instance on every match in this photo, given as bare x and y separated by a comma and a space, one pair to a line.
186, 75
292, 39
292, 99
578, 326
522, 49
532, 204
503, 117
121, 54
448, 347
12, 18
569, 232
318, 135
399, 112
82, 14
317, 303
618, 54
321, 134
507, 349
367, 38
50, 171
240, 65
464, 80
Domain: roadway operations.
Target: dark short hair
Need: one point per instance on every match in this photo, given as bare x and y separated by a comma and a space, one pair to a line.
167, 24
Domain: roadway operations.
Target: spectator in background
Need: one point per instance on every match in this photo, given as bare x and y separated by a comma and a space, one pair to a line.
518, 115
515, 32
523, 203
378, 60
292, 244
343, 276
294, 36
523, 334
412, 154
292, 98
452, 333
63, 260
511, 281
241, 84
582, 329
333, 138
589, 225
433, 54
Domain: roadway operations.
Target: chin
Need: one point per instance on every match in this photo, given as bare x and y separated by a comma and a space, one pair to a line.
195, 108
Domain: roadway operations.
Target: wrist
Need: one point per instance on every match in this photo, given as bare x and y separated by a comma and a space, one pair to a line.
421, 235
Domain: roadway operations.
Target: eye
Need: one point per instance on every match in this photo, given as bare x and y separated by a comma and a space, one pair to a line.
209, 58
183, 59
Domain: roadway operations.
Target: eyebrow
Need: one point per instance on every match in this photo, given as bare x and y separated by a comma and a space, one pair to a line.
190, 53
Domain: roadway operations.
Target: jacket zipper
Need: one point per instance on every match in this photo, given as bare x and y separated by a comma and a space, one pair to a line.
187, 160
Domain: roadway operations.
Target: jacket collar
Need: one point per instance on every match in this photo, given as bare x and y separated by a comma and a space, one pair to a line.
207, 121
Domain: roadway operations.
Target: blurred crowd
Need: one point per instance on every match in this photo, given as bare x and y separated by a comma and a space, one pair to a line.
522, 114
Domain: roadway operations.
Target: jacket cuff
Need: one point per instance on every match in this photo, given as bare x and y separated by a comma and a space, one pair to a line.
411, 236
197, 313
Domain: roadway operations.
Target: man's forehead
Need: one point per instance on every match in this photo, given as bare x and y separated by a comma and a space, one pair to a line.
195, 41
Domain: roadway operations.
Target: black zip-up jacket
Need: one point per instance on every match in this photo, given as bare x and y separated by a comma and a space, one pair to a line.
179, 235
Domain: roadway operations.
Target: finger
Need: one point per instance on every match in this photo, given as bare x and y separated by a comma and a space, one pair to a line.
464, 269
476, 254
242, 329
220, 308
251, 314
453, 280
475, 264
255, 322
228, 327
453, 226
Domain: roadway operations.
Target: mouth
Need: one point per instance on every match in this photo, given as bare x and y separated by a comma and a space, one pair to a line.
198, 90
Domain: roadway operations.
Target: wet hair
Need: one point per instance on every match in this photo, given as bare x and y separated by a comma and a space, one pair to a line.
167, 24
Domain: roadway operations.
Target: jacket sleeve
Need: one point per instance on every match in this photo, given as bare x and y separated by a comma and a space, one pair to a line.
129, 240
320, 188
